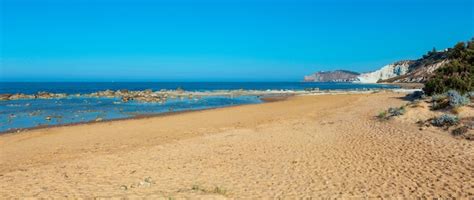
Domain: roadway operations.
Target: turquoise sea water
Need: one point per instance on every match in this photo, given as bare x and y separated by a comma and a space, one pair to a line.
44, 112
28, 113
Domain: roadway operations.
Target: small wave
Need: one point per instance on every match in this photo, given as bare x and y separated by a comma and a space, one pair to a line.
18, 105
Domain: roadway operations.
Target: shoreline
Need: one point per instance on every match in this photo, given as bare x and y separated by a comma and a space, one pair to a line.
267, 99
264, 98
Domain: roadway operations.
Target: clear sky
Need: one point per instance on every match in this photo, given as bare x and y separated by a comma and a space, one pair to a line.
259, 40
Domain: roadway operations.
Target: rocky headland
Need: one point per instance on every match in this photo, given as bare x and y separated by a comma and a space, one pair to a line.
332, 76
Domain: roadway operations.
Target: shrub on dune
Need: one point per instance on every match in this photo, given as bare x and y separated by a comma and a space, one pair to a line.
445, 120
439, 97
470, 94
452, 98
397, 111
391, 112
460, 131
382, 115
416, 95
439, 101
457, 100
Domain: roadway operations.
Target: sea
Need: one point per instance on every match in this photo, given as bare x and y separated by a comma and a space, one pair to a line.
30, 113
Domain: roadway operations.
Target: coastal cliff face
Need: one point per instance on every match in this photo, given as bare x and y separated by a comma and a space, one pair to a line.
386, 72
420, 70
332, 76
406, 71
409, 71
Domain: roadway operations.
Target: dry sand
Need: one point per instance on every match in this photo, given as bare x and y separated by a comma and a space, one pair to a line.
306, 146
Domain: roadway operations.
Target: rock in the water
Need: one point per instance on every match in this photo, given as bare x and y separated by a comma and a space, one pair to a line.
4, 97
179, 90
19, 96
106, 93
125, 99
43, 95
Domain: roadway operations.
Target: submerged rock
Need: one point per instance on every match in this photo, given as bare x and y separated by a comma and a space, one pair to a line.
44, 95
19, 96
35, 113
179, 90
4, 97
60, 95
121, 92
106, 93
125, 99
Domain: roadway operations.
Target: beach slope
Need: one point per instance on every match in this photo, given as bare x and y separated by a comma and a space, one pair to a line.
304, 146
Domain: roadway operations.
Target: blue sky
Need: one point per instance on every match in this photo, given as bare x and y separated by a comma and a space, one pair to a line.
260, 40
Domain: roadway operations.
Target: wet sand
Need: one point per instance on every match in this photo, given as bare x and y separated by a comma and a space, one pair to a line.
303, 146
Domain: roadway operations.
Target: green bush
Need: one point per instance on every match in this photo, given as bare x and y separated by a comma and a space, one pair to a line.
445, 120
439, 101
391, 112
439, 97
382, 115
458, 74
396, 111
456, 99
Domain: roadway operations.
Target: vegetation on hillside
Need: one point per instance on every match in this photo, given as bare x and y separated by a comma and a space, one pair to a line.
458, 74
449, 90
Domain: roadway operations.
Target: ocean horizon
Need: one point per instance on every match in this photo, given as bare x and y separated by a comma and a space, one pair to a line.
89, 87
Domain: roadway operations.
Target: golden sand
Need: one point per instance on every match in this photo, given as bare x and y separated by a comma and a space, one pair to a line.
305, 146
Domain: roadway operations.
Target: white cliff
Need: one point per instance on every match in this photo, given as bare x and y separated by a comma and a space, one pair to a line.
386, 72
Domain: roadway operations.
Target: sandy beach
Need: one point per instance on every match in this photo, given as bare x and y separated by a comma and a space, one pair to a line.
329, 146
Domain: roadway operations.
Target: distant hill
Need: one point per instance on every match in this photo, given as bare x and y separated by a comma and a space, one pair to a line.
332, 76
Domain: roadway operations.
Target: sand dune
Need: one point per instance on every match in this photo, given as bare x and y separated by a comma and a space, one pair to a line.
305, 146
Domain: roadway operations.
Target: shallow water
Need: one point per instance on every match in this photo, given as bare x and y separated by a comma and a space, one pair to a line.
28, 113
45, 112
